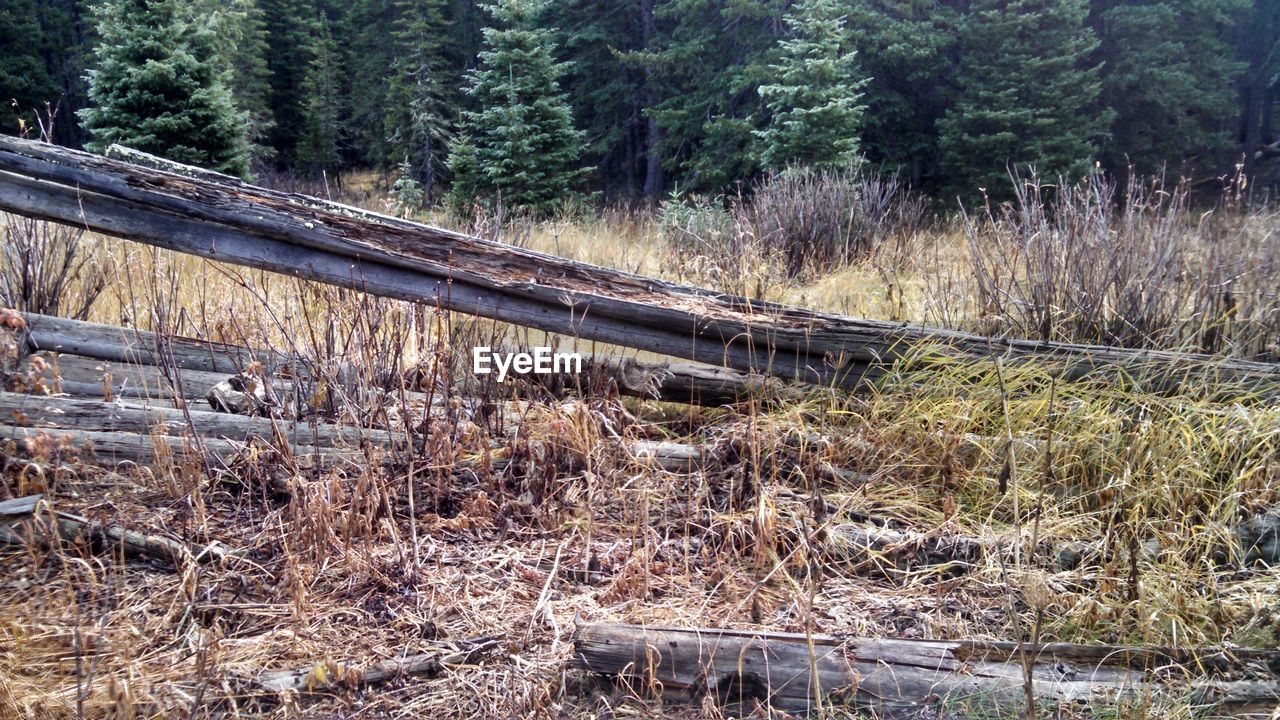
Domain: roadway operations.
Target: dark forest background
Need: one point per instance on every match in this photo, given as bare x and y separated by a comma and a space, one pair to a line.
625, 100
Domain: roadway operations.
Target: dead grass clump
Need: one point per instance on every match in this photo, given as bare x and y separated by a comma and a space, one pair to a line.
49, 268
821, 219
1136, 266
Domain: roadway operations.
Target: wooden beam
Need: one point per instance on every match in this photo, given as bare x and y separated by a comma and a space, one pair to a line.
115, 449
235, 222
200, 360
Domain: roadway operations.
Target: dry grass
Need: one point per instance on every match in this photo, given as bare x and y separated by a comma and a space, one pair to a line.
393, 557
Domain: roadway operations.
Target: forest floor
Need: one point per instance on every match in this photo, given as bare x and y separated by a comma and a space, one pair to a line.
355, 568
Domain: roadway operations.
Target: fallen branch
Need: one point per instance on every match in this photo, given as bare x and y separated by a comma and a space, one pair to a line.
26, 519
328, 675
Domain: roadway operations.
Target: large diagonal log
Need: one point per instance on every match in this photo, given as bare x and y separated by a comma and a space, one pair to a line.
225, 219
897, 677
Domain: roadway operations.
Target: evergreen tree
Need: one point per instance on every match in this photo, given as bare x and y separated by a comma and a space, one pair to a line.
156, 87
520, 146
371, 26
25, 83
814, 109
607, 85
240, 34
907, 47
710, 60
67, 49
417, 112
1028, 95
1259, 88
292, 31
1167, 74
318, 141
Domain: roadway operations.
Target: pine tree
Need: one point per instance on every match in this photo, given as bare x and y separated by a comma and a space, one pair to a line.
292, 30
370, 26
607, 88
156, 87
67, 30
240, 34
520, 146
418, 121
1028, 95
1168, 74
318, 141
907, 47
25, 83
709, 62
813, 103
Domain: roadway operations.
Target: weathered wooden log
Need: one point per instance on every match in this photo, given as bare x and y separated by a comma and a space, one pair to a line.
114, 449
328, 675
801, 673
204, 363
139, 347
91, 377
24, 520
121, 432
142, 418
239, 223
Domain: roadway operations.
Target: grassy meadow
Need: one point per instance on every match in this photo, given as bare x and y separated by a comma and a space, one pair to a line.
1119, 509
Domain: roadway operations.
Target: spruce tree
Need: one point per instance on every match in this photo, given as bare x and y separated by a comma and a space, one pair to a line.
292, 30
907, 47
67, 41
1028, 95
240, 35
520, 146
606, 85
417, 116
709, 62
318, 141
1168, 75
156, 87
25, 83
814, 100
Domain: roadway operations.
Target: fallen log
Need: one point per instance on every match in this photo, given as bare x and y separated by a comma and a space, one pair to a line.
232, 221
143, 419
26, 520
204, 363
797, 672
114, 449
329, 675
140, 347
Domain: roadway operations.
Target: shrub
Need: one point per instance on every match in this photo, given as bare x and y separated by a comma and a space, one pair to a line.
43, 269
1136, 267
818, 219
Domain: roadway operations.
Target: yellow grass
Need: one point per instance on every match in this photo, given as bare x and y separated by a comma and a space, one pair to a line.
332, 575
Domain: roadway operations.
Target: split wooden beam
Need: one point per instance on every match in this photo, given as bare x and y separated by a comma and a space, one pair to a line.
217, 217
798, 672
37, 411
